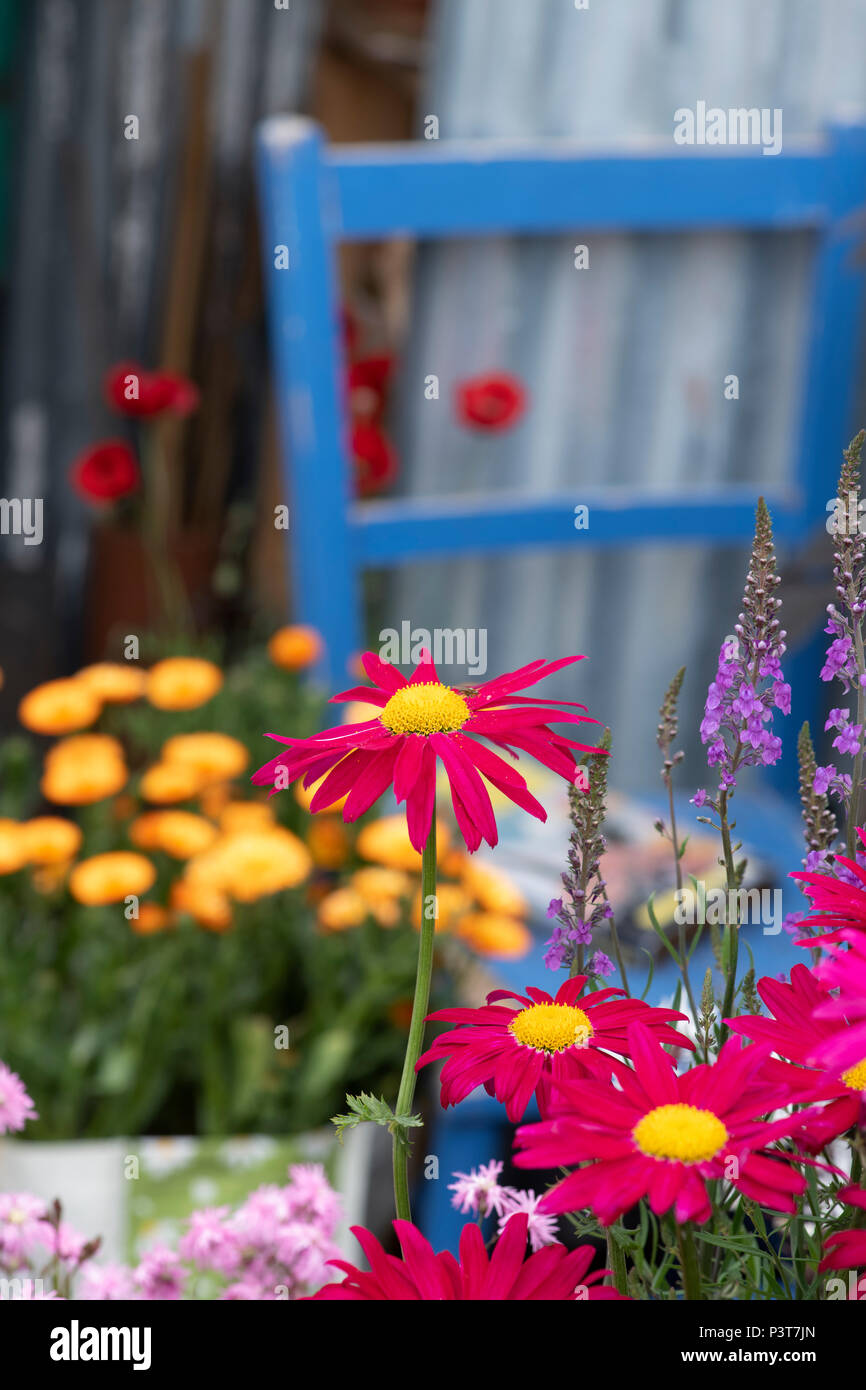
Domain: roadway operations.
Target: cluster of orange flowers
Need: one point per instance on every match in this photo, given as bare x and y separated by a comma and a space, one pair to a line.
229, 850
233, 851
474, 902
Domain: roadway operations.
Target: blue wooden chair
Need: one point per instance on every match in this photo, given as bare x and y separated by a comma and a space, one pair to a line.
313, 197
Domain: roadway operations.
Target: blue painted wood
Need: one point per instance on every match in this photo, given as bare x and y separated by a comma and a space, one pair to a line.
478, 188
836, 327
308, 372
313, 197
829, 379
391, 533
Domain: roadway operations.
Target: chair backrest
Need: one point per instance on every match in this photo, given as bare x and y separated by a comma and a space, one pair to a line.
314, 196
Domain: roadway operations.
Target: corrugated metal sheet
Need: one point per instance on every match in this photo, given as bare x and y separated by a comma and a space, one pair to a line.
625, 361
95, 226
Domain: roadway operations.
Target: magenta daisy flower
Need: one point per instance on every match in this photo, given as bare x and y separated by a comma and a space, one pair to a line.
835, 903
16, 1107
847, 1249
797, 1035
553, 1274
422, 722
664, 1136
845, 970
513, 1052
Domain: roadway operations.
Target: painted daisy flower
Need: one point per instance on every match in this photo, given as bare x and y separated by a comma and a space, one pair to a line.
513, 1052
835, 902
423, 721
847, 1249
664, 1136
796, 1035
553, 1274
844, 970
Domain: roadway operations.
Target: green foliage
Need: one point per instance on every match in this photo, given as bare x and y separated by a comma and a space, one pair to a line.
179, 1032
375, 1110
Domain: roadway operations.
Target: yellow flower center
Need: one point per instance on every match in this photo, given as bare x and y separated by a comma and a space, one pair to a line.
855, 1077
430, 708
681, 1132
551, 1027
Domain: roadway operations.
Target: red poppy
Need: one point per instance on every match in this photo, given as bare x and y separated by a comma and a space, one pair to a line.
495, 401
105, 472
134, 391
375, 458
368, 382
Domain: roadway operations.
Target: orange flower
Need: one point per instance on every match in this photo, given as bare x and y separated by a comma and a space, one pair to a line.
493, 889
386, 841
213, 798
342, 910
216, 757
109, 878
209, 907
114, 682
294, 648
86, 748
50, 840
493, 934
328, 842
451, 904
152, 918
144, 830
165, 783
245, 815
81, 770
59, 707
13, 855
400, 1014
179, 833
183, 682
375, 883
252, 864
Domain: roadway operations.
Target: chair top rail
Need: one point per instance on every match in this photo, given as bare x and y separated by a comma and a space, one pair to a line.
406, 530
451, 188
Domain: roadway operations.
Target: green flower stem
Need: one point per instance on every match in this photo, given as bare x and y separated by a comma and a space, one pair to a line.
691, 1273
731, 944
616, 1264
855, 804
678, 872
415, 1043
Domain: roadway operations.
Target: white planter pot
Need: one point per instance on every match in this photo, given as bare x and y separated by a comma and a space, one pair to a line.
87, 1176
92, 1179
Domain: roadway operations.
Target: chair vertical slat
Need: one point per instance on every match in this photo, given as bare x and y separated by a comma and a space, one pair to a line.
308, 370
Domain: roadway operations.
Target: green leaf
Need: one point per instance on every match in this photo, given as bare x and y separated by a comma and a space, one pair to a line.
375, 1110
652, 971
659, 931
